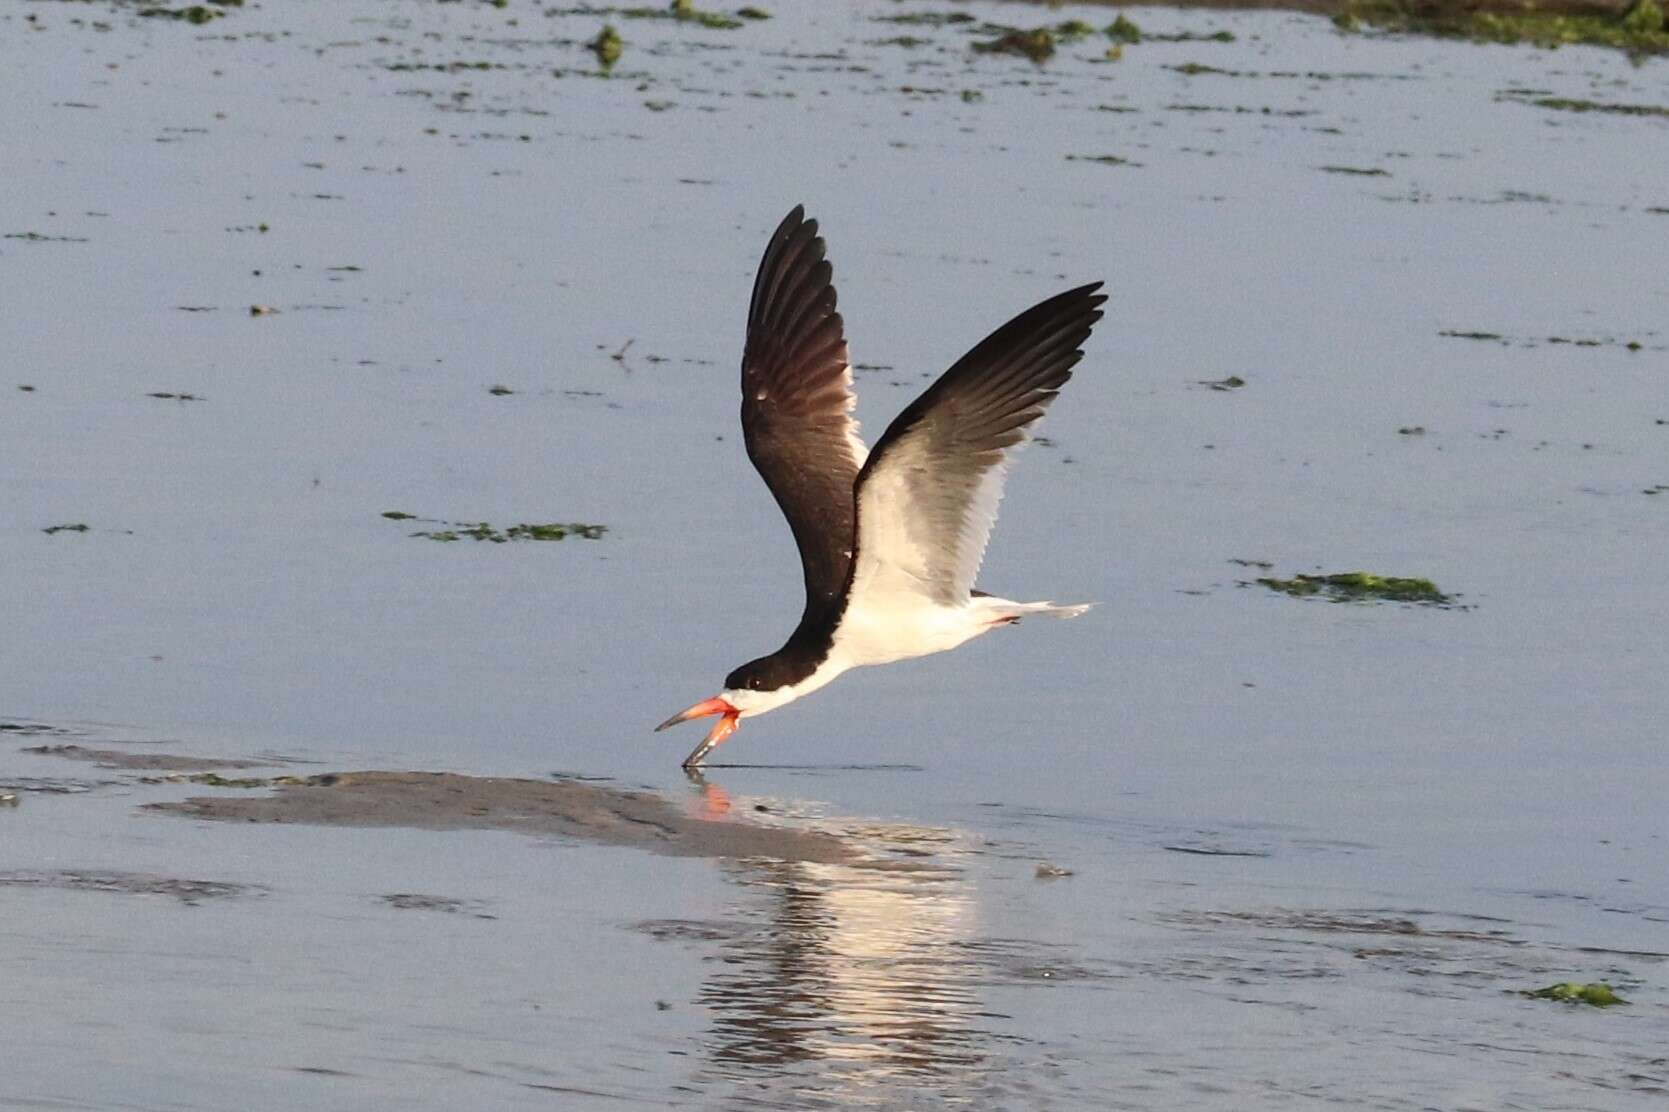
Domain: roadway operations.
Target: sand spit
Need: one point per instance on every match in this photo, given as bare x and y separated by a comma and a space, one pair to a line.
568, 808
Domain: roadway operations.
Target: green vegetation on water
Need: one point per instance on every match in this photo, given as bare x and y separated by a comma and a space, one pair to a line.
1124, 30
1361, 586
37, 237
927, 19
1597, 995
1568, 104
483, 531
1104, 159
685, 10
1038, 44
1638, 30
195, 13
606, 46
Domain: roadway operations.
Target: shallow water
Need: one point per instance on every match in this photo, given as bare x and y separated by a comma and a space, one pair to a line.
1316, 849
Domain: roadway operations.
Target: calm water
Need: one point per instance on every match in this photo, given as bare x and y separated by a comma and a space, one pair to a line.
1316, 849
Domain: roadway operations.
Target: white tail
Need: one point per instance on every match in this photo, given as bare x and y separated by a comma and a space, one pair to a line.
1050, 610
1007, 610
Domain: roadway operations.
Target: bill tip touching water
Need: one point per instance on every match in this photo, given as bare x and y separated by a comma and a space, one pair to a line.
890, 538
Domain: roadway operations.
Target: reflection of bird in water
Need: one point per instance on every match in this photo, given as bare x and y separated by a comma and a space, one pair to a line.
891, 540
853, 977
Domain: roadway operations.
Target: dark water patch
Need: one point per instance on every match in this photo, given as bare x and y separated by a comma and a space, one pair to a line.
118, 758
137, 884
1203, 849
40, 237
413, 901
54, 785
36, 729
688, 930
1103, 159
1457, 334
192, 13
1568, 104
1021, 961
1240, 110
1340, 922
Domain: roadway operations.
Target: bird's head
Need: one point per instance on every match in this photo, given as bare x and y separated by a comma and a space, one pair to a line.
754, 688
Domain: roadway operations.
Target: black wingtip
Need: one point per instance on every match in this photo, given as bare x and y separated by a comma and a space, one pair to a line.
796, 216
1088, 293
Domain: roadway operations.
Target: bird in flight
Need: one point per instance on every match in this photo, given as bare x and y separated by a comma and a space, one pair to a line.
890, 539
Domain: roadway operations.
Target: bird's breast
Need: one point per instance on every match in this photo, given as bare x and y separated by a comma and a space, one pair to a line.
898, 629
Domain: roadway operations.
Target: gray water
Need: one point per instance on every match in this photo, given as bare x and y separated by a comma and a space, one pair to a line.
1317, 849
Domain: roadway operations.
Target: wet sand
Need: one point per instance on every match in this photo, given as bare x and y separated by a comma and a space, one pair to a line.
565, 808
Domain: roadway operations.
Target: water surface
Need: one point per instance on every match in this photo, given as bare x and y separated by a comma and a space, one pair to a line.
1316, 849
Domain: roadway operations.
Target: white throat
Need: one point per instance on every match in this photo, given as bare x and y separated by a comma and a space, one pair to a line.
750, 702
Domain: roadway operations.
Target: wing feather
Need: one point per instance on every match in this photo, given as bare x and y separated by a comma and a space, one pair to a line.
797, 406
929, 492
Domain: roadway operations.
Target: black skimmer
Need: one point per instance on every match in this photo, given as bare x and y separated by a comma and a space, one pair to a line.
890, 539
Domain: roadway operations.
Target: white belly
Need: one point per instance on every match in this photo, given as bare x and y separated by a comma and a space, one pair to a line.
907, 627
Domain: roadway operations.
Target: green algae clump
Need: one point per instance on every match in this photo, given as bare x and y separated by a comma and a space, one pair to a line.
1038, 44
1124, 30
606, 46
196, 13
1640, 30
485, 531
1596, 995
1361, 586
1646, 18
686, 10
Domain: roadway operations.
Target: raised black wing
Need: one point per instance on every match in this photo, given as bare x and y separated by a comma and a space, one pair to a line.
797, 405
